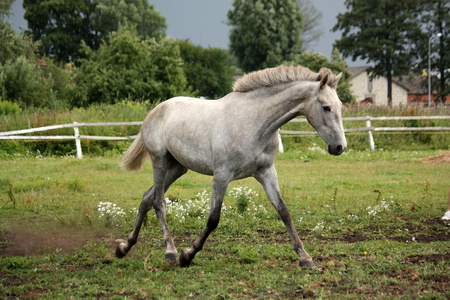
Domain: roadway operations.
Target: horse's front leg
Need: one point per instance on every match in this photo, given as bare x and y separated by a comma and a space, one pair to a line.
269, 180
219, 188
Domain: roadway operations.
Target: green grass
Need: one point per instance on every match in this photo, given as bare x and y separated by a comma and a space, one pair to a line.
54, 244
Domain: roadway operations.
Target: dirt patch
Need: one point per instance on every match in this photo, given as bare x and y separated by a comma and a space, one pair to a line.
439, 282
432, 230
430, 258
24, 240
443, 157
21, 240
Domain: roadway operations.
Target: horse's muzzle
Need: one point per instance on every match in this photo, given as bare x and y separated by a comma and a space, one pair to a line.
336, 149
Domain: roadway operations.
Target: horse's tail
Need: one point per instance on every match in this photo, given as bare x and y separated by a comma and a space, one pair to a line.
135, 156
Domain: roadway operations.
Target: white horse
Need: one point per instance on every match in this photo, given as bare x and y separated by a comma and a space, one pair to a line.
232, 138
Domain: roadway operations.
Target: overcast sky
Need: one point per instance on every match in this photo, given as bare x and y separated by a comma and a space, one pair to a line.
203, 22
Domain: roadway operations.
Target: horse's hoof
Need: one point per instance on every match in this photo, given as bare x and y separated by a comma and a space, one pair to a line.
307, 264
119, 253
183, 260
171, 257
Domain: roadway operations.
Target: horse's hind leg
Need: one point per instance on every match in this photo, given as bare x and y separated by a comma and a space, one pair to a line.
148, 201
269, 180
146, 204
174, 171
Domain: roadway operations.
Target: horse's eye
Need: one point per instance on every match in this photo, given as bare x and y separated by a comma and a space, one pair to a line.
326, 108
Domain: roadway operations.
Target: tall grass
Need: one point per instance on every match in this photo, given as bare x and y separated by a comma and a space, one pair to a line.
137, 111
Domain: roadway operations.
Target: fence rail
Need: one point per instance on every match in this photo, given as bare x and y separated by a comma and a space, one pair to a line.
16, 134
370, 129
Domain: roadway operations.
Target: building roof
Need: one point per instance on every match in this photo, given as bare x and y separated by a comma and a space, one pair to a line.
357, 70
413, 84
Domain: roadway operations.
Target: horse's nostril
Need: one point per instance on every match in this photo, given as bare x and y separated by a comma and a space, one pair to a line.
339, 148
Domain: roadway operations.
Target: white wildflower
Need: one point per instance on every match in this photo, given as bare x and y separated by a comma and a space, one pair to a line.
319, 226
377, 209
110, 213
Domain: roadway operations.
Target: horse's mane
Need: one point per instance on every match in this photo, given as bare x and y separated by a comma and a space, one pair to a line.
279, 75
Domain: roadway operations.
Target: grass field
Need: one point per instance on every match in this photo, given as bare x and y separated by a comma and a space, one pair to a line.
370, 220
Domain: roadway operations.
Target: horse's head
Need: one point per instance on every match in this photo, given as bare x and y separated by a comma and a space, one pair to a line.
324, 112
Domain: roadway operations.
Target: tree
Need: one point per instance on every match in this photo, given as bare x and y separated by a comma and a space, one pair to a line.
61, 26
108, 15
206, 70
5, 7
264, 33
22, 79
380, 32
315, 61
434, 18
129, 67
11, 44
312, 17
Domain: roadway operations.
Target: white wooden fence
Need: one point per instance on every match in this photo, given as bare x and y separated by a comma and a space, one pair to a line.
370, 129
16, 134
13, 135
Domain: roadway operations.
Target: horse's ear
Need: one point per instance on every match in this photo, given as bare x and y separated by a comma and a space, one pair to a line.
323, 81
338, 78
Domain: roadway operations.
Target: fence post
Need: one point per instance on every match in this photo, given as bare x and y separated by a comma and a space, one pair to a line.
280, 143
78, 142
371, 141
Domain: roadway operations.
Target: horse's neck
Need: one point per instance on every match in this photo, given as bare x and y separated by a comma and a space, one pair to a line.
279, 105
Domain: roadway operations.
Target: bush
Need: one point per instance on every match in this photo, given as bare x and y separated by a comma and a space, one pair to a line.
127, 67
207, 70
21, 82
8, 107
25, 82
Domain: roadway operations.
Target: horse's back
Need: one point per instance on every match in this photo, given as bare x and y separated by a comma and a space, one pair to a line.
183, 127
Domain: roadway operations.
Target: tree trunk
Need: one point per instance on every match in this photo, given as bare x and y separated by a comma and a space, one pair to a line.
389, 86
